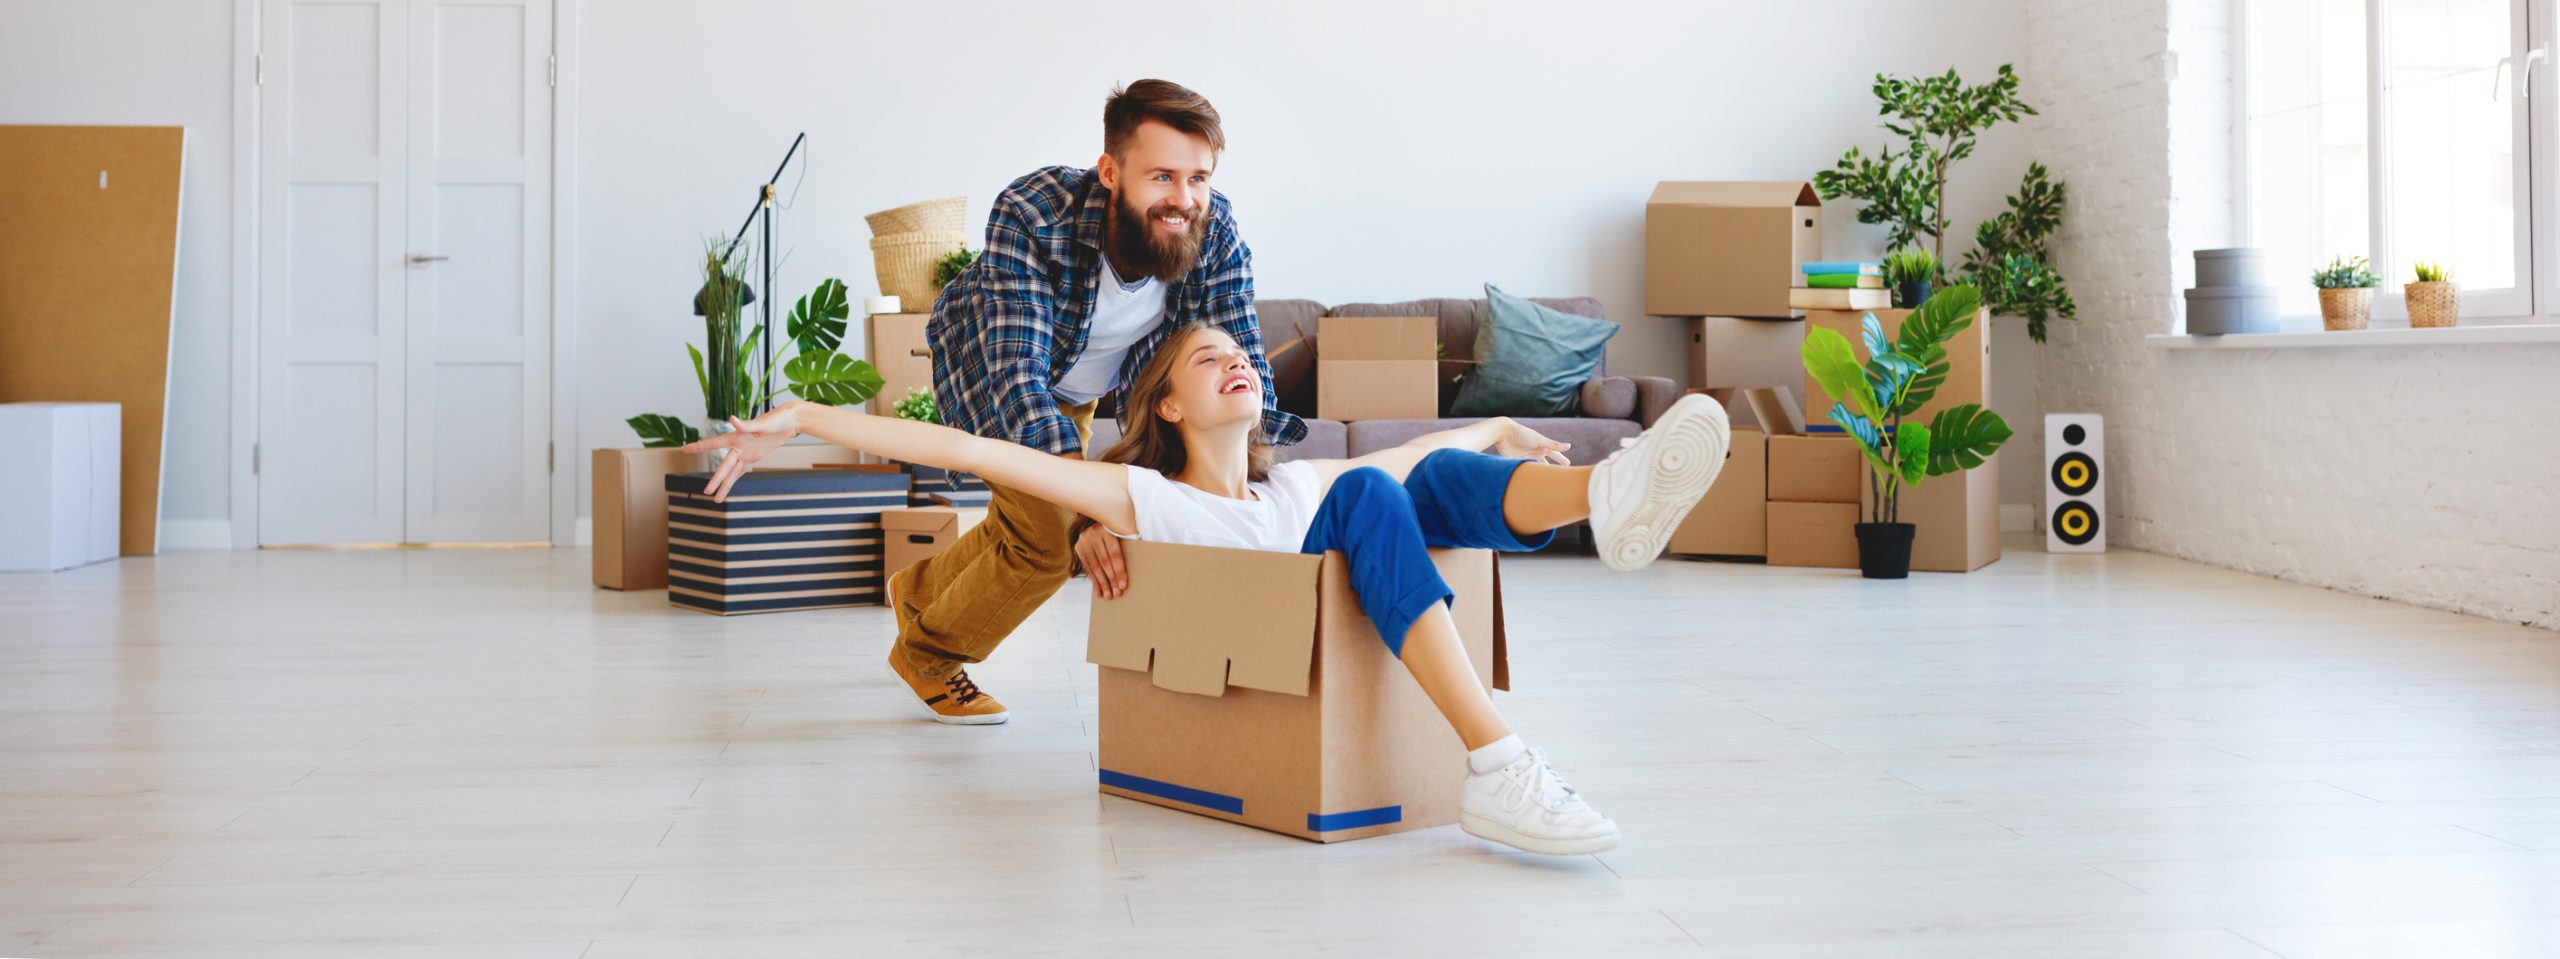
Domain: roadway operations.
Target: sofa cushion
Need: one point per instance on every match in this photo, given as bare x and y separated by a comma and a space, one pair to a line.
1609, 397
1591, 439
1325, 441
1531, 360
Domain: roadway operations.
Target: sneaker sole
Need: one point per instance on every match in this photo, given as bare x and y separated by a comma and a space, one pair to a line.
990, 719
1487, 829
1683, 452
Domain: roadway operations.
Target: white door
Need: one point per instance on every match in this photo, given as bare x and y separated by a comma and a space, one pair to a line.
404, 271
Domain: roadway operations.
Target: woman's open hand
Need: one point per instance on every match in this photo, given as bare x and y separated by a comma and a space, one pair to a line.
747, 442
1522, 442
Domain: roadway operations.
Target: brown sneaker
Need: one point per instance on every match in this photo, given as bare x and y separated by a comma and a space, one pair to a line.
951, 696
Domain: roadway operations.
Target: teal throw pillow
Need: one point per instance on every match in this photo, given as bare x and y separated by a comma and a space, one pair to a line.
1530, 360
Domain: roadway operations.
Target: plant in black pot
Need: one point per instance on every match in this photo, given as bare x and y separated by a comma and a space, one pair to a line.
1897, 379
813, 368
1909, 272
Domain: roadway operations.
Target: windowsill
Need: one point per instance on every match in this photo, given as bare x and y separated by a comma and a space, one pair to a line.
2482, 334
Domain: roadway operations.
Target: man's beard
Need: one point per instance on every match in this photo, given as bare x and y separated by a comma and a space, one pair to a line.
1139, 248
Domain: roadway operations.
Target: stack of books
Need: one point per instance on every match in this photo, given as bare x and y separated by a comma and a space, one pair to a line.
1841, 286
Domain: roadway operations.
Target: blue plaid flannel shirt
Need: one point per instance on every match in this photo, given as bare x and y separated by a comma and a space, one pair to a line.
1016, 320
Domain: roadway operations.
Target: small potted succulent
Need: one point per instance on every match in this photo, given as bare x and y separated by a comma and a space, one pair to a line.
2346, 294
2434, 300
1909, 272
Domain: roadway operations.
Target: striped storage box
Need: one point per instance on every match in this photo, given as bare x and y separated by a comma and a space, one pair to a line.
785, 539
935, 486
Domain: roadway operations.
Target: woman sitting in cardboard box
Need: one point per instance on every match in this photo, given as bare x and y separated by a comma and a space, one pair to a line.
1192, 468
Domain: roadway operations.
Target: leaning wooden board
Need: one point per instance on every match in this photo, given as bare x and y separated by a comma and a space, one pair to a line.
88, 270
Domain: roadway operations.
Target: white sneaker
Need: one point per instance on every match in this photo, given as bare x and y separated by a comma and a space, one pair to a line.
1527, 806
1640, 493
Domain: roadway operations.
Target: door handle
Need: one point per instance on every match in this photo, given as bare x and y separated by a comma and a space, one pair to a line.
422, 259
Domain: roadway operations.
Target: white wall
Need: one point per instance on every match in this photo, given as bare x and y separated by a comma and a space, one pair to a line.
1376, 150
2417, 474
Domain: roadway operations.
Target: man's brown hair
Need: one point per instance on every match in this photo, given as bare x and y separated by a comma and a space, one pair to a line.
1163, 101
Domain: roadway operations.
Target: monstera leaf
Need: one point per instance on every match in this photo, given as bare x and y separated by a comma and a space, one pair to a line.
1911, 452
831, 378
817, 321
1828, 359
1924, 340
658, 429
1962, 436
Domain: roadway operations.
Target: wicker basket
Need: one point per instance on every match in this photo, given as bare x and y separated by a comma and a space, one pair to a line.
2343, 308
931, 216
2434, 304
905, 264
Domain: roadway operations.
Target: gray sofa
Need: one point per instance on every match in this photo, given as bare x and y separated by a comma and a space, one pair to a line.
1613, 407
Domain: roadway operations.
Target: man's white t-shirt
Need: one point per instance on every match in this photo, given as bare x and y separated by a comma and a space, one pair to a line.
1277, 518
1122, 315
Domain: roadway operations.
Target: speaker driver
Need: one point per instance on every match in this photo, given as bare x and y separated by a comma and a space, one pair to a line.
2074, 473
2075, 523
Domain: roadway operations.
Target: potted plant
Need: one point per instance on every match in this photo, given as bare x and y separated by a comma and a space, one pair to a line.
1910, 271
731, 386
2434, 300
918, 405
952, 265
1898, 377
2346, 294
1937, 118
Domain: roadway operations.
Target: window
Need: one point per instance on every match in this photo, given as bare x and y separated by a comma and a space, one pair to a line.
2398, 130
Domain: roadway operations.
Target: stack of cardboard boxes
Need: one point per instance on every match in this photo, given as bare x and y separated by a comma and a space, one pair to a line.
1728, 258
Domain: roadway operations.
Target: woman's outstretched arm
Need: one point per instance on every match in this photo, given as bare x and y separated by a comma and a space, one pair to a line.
1098, 490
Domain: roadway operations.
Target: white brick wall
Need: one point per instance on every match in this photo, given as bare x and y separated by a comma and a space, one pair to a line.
2425, 475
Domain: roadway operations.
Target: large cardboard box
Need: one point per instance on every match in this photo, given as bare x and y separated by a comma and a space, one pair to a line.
1815, 469
917, 533
1955, 519
1727, 248
629, 505
1733, 518
1377, 368
1247, 686
59, 485
1732, 352
1968, 364
899, 350
1814, 534
782, 539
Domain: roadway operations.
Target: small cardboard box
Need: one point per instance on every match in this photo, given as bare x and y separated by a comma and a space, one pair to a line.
1725, 248
783, 539
1815, 469
1955, 519
918, 532
1248, 686
1813, 534
1968, 364
900, 351
1733, 518
59, 485
1377, 368
1731, 352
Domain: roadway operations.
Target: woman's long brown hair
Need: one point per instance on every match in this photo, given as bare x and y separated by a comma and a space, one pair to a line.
1148, 439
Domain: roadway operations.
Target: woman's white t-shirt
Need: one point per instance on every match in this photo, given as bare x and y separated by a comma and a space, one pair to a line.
1277, 518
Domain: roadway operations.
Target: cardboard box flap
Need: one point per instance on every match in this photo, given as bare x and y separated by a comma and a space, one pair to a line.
1744, 193
1214, 618
920, 518
1775, 410
1377, 338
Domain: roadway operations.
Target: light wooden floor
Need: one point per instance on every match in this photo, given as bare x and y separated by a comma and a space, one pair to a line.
430, 754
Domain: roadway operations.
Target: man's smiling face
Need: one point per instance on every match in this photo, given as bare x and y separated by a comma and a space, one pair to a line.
1160, 202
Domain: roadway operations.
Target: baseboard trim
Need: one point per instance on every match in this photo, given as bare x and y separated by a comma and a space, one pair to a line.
195, 534
2017, 518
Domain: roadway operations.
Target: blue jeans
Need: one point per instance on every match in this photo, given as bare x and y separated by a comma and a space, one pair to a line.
1453, 498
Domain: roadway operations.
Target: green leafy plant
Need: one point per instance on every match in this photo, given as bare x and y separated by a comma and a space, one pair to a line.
918, 406
731, 385
2343, 274
1939, 119
1911, 264
953, 264
2433, 273
1898, 378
